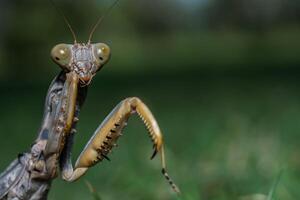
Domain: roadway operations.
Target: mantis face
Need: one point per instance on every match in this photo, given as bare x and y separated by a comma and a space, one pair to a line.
83, 59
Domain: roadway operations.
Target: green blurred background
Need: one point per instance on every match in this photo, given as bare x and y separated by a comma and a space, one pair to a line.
221, 77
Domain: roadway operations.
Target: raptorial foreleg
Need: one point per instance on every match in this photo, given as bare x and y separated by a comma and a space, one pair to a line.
62, 122
106, 135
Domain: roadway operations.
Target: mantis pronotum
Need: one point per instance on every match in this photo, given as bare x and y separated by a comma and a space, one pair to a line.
31, 174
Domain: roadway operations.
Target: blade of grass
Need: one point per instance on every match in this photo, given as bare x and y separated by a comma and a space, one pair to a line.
275, 184
94, 193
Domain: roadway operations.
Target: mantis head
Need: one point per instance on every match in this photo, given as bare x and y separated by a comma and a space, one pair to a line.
83, 59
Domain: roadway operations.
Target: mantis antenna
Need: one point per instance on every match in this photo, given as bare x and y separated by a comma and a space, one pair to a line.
65, 19
100, 19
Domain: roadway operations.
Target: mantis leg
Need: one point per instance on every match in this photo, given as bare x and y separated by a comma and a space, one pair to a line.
106, 135
63, 119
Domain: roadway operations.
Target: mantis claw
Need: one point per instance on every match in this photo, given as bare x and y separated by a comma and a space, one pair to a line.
166, 175
154, 154
104, 156
107, 134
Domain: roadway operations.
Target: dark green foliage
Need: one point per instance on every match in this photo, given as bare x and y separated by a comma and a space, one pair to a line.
223, 86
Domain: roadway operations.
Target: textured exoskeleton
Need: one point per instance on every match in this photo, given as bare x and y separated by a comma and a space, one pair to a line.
29, 177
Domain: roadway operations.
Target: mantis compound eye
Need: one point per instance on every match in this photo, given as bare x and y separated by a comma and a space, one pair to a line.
101, 53
61, 54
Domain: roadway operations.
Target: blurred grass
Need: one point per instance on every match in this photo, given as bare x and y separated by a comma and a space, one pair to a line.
162, 39
176, 52
226, 97
93, 191
272, 193
226, 136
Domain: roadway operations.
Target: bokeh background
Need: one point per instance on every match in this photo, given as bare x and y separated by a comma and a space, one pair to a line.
221, 77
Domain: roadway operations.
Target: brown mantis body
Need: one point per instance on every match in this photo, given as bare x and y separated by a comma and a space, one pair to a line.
31, 174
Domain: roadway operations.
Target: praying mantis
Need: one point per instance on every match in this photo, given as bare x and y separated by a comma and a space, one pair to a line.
29, 176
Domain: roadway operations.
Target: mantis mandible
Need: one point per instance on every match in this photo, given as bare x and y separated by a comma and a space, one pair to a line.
29, 176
